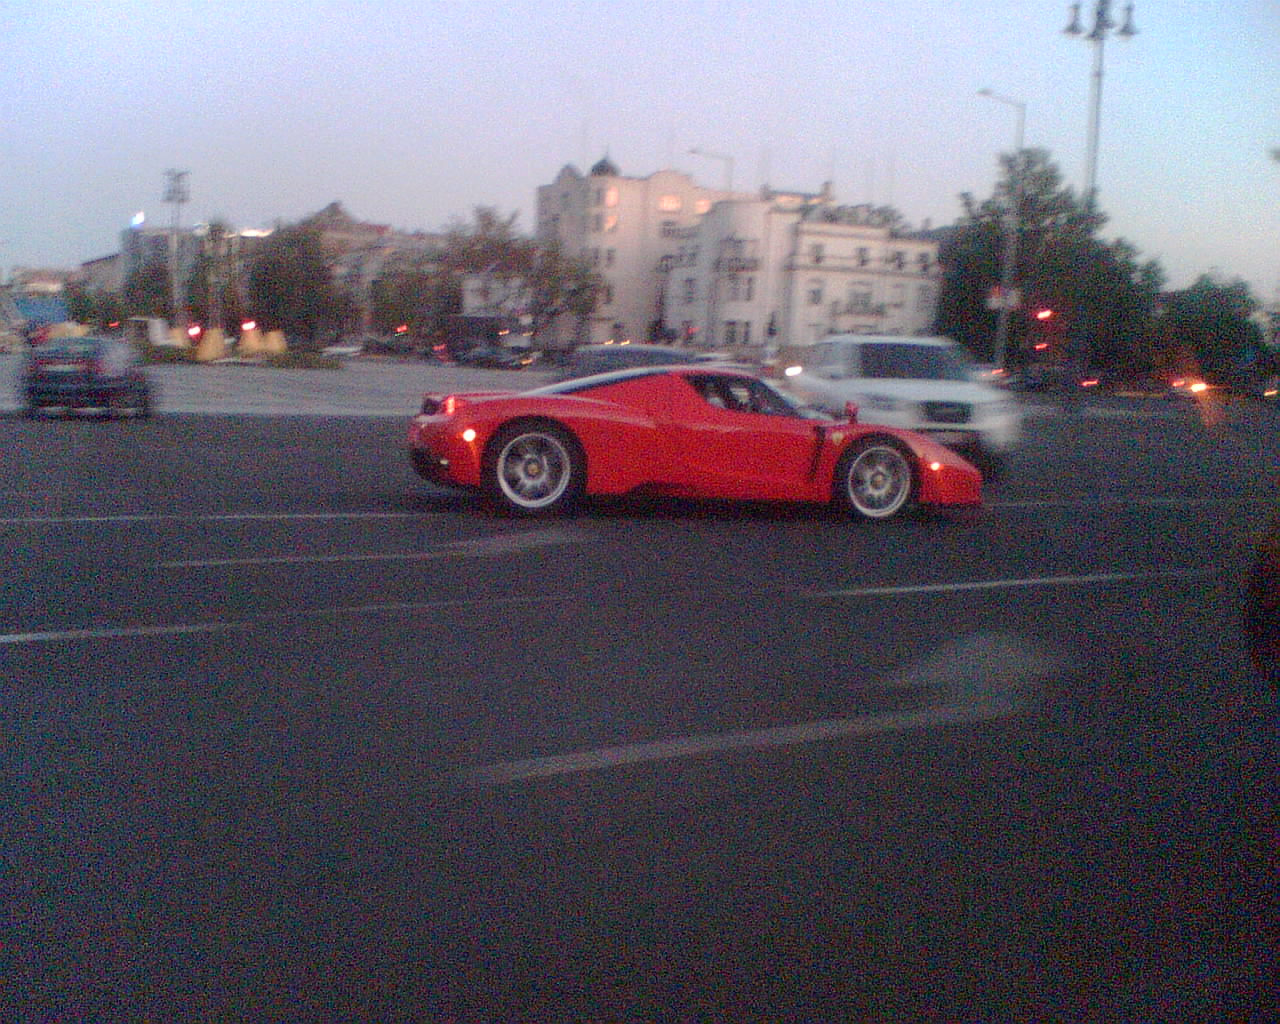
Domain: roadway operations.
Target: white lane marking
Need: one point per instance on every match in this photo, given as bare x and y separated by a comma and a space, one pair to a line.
479, 547
127, 519
981, 677
144, 632
755, 739
1008, 584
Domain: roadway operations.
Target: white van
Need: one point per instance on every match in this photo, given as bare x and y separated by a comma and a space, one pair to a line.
922, 384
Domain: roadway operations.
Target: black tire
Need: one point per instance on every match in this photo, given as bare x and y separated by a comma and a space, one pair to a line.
533, 468
875, 479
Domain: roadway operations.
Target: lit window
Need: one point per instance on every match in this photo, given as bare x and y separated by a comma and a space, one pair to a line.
611, 222
611, 196
670, 203
702, 206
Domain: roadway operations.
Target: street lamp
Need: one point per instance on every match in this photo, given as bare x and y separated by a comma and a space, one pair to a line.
1012, 228
728, 165
1102, 26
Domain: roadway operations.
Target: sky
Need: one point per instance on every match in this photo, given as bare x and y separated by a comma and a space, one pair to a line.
412, 113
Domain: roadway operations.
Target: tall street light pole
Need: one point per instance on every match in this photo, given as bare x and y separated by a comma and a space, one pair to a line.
1012, 228
1097, 36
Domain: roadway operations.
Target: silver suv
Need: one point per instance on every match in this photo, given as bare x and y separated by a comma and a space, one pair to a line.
921, 384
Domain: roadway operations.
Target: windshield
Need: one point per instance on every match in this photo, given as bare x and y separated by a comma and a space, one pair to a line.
896, 361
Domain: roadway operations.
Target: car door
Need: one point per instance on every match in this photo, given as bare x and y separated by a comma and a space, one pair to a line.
737, 438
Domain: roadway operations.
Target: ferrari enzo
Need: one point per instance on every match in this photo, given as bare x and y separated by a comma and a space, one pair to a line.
679, 431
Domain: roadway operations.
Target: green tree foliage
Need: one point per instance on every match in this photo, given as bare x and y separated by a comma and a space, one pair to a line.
416, 293
290, 287
1101, 296
425, 293
147, 292
1209, 327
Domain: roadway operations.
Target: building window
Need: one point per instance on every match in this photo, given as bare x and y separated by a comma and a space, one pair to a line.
670, 203
596, 222
611, 223
609, 256
815, 253
611, 196
735, 288
606, 295
730, 332
864, 256
746, 332
815, 293
749, 289
690, 289
898, 296
599, 197
702, 206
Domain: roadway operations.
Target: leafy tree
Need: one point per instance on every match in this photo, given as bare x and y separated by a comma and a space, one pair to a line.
416, 294
147, 291
1209, 327
1100, 295
290, 287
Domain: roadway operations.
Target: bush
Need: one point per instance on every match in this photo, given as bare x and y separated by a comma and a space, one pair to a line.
167, 354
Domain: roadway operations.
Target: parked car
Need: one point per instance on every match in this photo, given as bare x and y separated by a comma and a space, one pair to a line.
678, 431
86, 373
592, 359
493, 356
920, 384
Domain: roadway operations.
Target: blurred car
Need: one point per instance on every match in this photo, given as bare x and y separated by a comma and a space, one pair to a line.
592, 359
685, 431
920, 384
493, 356
86, 373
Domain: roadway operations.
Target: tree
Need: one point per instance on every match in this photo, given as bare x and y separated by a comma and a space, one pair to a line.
290, 287
417, 294
1099, 294
147, 291
1209, 328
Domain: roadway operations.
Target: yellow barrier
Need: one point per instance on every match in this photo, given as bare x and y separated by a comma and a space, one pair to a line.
213, 345
275, 343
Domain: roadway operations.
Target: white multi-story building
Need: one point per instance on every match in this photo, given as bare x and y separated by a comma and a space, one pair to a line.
627, 230
791, 268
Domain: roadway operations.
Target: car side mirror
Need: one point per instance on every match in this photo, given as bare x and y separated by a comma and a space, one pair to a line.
851, 411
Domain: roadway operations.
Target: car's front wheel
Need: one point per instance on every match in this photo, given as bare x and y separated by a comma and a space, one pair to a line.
534, 467
875, 480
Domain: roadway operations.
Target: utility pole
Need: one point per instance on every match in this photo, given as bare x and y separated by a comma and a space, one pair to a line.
176, 192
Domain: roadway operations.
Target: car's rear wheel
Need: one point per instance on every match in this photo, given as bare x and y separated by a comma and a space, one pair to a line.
534, 467
875, 479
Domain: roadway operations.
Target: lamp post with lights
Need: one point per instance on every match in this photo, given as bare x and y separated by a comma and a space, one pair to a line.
1012, 228
1097, 37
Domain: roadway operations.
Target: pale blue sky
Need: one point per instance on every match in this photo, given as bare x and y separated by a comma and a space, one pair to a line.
412, 112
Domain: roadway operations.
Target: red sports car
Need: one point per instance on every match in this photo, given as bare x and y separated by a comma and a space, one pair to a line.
681, 431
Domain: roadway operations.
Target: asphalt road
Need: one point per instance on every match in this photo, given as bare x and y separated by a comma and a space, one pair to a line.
290, 735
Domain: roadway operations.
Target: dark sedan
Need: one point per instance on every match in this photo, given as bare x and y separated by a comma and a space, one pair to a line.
86, 373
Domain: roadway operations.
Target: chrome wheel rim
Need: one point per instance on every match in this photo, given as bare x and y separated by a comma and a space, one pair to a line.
534, 470
879, 481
